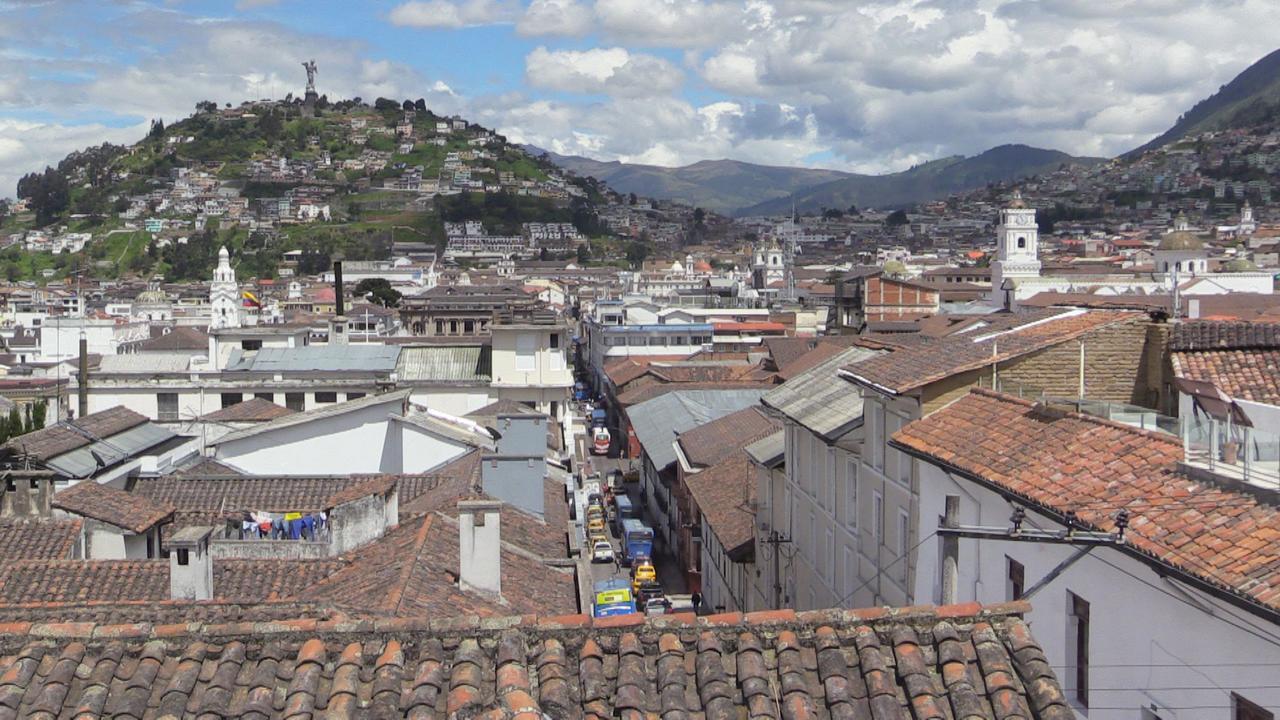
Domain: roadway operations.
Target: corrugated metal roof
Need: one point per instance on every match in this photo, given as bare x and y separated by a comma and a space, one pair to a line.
148, 363
819, 398
444, 363
358, 358
656, 422
82, 462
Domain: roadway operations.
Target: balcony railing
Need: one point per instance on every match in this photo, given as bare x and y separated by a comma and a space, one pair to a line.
1132, 415
1233, 450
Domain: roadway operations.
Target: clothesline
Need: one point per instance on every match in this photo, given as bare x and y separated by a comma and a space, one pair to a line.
284, 526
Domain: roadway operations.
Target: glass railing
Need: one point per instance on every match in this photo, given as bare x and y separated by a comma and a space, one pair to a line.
1233, 450
1132, 415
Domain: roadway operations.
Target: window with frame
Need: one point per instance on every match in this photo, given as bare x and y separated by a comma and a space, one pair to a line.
1078, 647
526, 350
269, 397
250, 344
1015, 585
167, 407
555, 341
355, 395
877, 521
851, 492
184, 556
875, 435
229, 399
326, 397
904, 546
295, 401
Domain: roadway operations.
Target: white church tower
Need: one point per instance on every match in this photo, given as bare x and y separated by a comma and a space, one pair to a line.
224, 294
1247, 224
1018, 246
767, 266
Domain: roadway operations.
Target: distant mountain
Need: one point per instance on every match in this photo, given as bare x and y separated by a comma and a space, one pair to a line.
720, 185
929, 181
1252, 97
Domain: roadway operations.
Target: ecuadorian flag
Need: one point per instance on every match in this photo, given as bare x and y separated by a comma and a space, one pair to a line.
250, 300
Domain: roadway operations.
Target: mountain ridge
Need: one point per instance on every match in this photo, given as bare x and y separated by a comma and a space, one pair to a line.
700, 183
1248, 97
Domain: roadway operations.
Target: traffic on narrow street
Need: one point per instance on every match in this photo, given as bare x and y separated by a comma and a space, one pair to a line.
616, 538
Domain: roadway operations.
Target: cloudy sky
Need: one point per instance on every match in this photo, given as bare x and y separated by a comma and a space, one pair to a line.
863, 85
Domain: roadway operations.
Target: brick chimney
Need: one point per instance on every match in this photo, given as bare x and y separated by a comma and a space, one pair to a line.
190, 564
480, 546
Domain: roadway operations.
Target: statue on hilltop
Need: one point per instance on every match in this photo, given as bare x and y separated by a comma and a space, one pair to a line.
310, 66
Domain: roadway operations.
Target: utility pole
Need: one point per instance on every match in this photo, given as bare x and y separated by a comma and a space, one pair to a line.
1085, 540
777, 540
950, 551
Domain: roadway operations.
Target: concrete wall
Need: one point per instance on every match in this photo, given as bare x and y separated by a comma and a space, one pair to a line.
361, 522
549, 366
269, 549
726, 585
516, 471
416, 450
453, 400
1153, 640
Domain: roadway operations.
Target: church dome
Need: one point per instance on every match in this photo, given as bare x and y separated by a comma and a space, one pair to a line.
1180, 240
1239, 265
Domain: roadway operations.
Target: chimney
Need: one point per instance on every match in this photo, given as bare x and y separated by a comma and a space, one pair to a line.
338, 326
82, 381
190, 564
480, 546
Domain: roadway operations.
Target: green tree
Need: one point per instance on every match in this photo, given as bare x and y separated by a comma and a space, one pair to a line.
157, 129
14, 422
28, 423
584, 254
39, 413
637, 251
896, 218
379, 291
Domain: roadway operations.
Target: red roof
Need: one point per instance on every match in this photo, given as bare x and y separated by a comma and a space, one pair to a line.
1063, 461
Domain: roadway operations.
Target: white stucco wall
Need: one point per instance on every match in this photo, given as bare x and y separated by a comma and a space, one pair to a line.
322, 447
1152, 640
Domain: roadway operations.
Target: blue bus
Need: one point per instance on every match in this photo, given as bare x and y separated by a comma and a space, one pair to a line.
613, 597
637, 540
624, 509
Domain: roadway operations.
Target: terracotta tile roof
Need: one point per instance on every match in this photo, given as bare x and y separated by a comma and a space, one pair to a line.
624, 371
1195, 335
962, 661
1008, 336
111, 505
62, 438
231, 495
413, 571
722, 493
208, 467
712, 442
440, 492
38, 539
1065, 461
74, 582
251, 410
1242, 374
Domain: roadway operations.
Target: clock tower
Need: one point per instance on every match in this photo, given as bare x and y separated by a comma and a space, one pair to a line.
1018, 245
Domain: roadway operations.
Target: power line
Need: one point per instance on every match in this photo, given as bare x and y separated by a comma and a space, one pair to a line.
1256, 632
880, 570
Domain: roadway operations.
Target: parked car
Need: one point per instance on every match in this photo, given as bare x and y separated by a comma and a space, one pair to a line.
601, 551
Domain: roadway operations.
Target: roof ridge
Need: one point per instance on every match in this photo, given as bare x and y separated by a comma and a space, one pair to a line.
420, 541
340, 623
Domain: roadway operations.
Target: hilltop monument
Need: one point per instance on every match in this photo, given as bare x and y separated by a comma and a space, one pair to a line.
309, 100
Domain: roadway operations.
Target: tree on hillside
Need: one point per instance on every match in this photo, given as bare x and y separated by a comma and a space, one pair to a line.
270, 125
383, 104
206, 106
584, 254
48, 194
896, 218
157, 129
638, 250
420, 105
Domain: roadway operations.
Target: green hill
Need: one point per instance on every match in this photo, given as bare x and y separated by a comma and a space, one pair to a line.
347, 159
929, 181
1251, 98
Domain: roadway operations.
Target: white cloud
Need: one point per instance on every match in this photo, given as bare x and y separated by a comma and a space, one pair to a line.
453, 13
611, 71
29, 147
555, 17
670, 23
